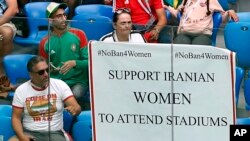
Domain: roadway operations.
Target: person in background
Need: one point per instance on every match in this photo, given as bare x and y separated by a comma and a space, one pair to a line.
9, 8
123, 32
38, 105
66, 49
108, 2
196, 22
148, 17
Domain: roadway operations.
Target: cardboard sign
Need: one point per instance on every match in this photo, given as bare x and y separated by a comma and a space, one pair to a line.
160, 92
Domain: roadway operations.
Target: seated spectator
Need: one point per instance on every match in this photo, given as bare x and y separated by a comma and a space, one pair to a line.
123, 32
67, 49
196, 22
148, 17
9, 9
41, 101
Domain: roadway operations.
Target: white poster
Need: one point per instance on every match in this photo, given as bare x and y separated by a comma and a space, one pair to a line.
161, 92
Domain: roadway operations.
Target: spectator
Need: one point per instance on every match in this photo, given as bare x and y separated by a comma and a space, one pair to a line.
38, 105
67, 49
196, 22
148, 17
122, 24
172, 3
9, 9
108, 2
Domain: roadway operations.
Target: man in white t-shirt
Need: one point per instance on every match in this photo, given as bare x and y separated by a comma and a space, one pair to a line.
38, 105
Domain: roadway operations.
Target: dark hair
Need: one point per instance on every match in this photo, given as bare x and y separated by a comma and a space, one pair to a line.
33, 61
118, 12
185, 2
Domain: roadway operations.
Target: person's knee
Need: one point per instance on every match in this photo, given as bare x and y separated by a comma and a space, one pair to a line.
202, 40
182, 39
7, 33
13, 138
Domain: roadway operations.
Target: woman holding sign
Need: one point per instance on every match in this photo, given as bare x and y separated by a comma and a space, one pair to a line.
122, 24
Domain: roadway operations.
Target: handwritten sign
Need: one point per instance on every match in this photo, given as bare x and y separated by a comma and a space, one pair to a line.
159, 92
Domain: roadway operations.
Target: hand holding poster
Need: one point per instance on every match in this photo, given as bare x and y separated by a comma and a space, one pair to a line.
156, 92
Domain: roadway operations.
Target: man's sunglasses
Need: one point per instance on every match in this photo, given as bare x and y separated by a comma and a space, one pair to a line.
41, 72
122, 10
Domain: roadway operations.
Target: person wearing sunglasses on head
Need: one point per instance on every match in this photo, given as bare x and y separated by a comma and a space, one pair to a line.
41, 101
66, 48
148, 17
123, 32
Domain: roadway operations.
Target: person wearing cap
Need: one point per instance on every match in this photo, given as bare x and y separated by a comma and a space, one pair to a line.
66, 49
8, 9
38, 105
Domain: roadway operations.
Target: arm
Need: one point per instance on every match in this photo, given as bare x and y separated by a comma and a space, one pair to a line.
230, 14
72, 106
162, 21
79, 64
10, 12
17, 124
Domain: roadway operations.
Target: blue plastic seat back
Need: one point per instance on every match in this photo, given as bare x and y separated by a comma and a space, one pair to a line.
82, 131
95, 9
37, 23
239, 76
244, 16
247, 92
237, 39
6, 110
15, 66
84, 116
67, 121
243, 121
217, 19
224, 4
94, 26
6, 127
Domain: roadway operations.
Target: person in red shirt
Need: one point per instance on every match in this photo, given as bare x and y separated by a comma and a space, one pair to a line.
148, 16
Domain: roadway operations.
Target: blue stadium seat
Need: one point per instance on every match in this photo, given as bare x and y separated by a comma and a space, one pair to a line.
94, 26
84, 116
224, 4
37, 24
95, 9
82, 131
244, 16
239, 77
67, 121
6, 110
6, 127
247, 93
15, 66
237, 39
243, 121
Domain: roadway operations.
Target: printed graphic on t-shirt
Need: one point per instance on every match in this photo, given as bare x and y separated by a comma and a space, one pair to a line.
41, 108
